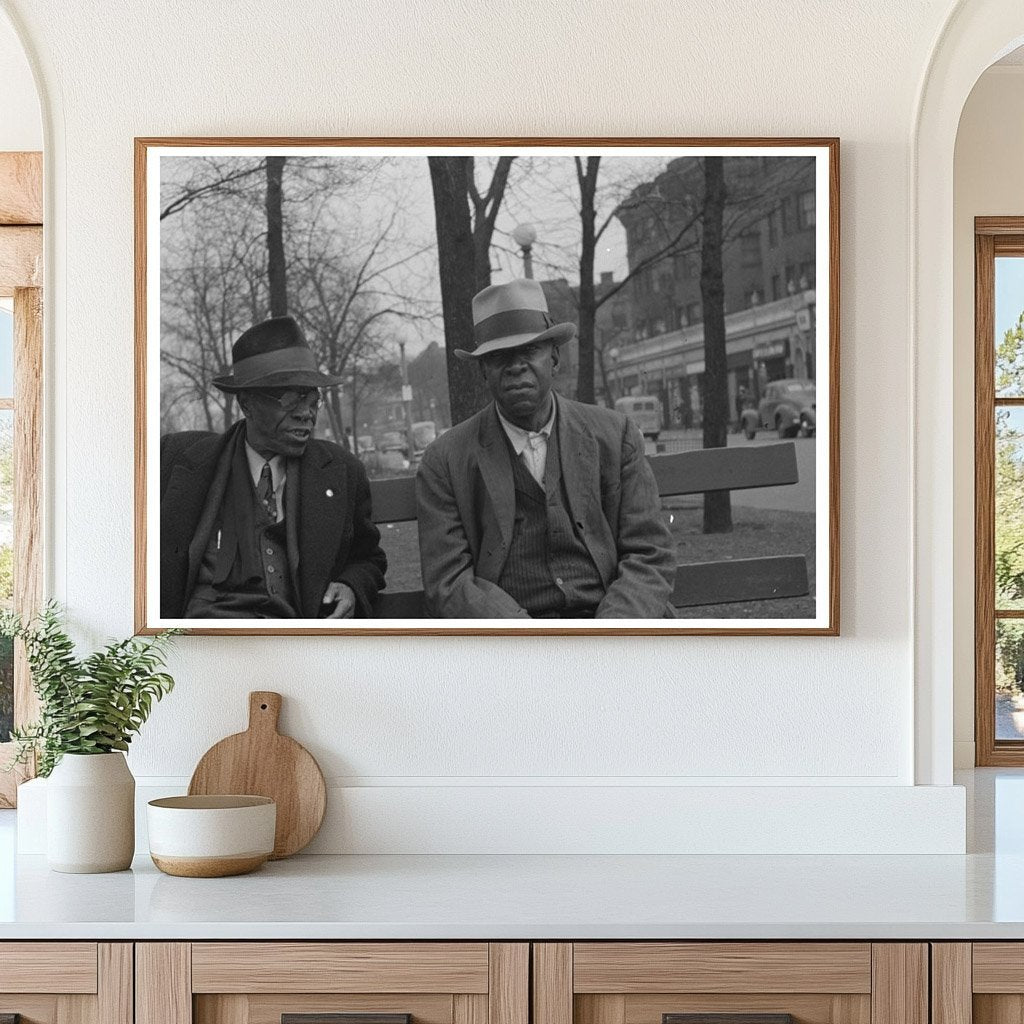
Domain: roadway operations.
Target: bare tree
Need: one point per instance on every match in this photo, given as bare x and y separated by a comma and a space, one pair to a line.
464, 265
276, 266
350, 279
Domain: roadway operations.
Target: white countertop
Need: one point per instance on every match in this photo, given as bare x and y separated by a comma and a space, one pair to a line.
979, 895
517, 897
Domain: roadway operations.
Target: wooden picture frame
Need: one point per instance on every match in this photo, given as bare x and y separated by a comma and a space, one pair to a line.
781, 322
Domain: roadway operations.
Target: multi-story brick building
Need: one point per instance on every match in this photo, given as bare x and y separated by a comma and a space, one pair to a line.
769, 260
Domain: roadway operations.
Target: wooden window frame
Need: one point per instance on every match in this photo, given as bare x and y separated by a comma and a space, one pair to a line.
993, 237
21, 278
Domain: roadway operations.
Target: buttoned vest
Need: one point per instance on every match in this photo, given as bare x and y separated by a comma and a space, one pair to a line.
548, 571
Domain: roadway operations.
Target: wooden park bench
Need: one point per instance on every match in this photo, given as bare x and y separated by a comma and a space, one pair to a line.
687, 473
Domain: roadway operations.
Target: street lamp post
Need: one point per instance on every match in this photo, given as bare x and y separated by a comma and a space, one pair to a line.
524, 236
407, 404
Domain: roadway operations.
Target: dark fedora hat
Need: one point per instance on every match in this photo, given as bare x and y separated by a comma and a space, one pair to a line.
512, 315
273, 354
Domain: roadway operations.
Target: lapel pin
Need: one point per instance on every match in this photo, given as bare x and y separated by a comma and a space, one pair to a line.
329, 493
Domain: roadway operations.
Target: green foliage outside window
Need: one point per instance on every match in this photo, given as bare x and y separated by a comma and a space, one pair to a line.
1009, 472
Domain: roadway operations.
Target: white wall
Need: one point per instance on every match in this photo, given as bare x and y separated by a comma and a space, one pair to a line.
21, 127
987, 182
428, 717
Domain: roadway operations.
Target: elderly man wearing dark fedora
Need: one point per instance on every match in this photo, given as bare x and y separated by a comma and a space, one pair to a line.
264, 520
538, 506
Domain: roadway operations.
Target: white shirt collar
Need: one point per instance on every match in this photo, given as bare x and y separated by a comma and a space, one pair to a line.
256, 463
521, 438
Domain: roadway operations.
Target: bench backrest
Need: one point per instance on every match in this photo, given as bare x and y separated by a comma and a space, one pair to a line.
678, 475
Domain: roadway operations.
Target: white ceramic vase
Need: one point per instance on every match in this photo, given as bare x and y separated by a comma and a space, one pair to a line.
90, 814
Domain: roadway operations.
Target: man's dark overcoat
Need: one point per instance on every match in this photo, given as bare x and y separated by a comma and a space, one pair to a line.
331, 535
466, 503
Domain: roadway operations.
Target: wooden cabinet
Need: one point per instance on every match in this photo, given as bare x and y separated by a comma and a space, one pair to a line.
978, 983
758, 982
494, 983
262, 982
66, 982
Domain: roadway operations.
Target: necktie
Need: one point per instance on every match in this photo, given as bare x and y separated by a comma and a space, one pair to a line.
534, 452
265, 493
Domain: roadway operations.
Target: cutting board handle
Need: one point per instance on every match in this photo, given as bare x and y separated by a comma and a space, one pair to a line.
264, 710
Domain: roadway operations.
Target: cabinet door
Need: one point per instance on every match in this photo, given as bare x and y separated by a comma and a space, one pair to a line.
730, 983
332, 983
66, 982
981, 982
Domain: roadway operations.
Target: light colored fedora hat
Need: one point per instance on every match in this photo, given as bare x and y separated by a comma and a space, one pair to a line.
273, 354
511, 315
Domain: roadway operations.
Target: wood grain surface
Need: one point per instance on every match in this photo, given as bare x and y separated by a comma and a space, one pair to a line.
163, 983
304, 967
65, 967
899, 972
115, 997
508, 989
21, 188
552, 983
272, 1008
262, 762
806, 1008
951, 983
722, 967
21, 258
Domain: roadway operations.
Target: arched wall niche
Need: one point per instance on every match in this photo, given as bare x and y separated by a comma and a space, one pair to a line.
976, 34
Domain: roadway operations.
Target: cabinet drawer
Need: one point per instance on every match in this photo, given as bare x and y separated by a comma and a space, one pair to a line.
634, 967
730, 983
340, 967
332, 983
65, 967
66, 982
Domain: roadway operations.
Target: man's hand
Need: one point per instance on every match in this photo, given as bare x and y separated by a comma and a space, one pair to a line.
345, 597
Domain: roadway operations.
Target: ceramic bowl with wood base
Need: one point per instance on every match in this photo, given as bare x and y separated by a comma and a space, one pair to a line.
211, 836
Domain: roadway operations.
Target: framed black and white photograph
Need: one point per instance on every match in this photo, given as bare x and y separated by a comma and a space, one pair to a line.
490, 386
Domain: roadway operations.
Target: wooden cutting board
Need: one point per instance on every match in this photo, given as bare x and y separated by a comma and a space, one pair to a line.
262, 762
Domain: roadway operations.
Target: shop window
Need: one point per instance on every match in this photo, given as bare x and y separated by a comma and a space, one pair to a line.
805, 209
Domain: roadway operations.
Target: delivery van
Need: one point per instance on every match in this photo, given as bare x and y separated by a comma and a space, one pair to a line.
644, 411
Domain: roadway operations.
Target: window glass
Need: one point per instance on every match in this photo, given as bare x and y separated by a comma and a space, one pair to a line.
1009, 327
1009, 679
1009, 508
6, 353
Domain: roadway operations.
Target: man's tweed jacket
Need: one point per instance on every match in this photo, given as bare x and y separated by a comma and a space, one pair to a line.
466, 502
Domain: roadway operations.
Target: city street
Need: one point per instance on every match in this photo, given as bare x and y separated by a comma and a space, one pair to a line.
798, 497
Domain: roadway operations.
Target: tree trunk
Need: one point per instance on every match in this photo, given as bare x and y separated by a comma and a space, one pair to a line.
485, 212
276, 270
588, 301
455, 250
717, 509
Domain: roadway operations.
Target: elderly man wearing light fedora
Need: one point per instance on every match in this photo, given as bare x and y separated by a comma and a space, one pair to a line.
264, 520
538, 506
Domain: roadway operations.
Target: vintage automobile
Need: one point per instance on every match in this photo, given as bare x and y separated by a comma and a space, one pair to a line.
788, 407
644, 411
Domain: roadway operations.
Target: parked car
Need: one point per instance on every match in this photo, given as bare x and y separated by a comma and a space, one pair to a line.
393, 441
788, 406
424, 432
365, 445
644, 411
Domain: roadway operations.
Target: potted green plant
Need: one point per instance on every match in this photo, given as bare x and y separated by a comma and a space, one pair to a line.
89, 709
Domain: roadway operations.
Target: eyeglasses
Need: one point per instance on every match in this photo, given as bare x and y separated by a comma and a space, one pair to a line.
291, 399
